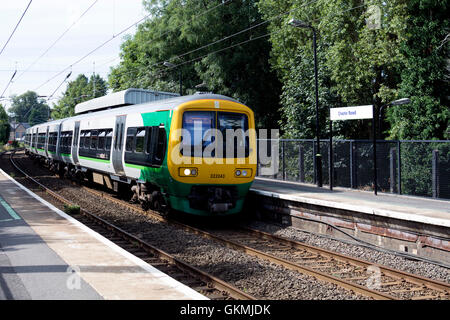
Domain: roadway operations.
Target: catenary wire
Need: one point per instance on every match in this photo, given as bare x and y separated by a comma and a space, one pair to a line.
57, 40
15, 28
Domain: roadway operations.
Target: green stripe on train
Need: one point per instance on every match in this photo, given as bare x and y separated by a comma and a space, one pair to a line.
95, 159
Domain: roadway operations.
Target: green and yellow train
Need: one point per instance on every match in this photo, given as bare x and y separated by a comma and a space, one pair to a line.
195, 154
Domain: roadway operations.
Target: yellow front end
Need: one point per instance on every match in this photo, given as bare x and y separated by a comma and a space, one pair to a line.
199, 174
210, 170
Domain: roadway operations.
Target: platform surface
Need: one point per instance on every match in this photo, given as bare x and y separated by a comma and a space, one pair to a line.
45, 254
418, 209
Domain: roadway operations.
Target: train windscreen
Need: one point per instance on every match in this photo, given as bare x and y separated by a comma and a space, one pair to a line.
231, 128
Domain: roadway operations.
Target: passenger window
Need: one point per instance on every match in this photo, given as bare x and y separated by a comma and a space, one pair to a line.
140, 139
82, 139
94, 137
87, 140
108, 140
149, 141
160, 147
101, 139
130, 139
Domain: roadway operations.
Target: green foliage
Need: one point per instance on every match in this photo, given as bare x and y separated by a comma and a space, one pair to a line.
79, 90
175, 32
350, 57
424, 75
39, 114
4, 126
29, 108
359, 65
72, 209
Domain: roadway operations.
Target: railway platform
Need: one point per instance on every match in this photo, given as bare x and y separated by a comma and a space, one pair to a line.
46, 254
416, 225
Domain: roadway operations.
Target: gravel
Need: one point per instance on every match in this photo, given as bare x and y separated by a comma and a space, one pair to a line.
257, 277
424, 269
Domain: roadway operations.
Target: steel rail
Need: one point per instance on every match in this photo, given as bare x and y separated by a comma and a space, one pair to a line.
417, 279
442, 287
414, 279
253, 252
216, 282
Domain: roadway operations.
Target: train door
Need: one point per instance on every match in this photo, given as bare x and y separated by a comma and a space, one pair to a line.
58, 142
46, 141
76, 135
118, 145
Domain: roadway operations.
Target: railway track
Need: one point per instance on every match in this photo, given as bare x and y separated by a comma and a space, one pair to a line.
375, 281
372, 280
204, 283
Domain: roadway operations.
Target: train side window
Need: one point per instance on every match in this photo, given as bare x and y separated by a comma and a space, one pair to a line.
160, 147
148, 148
140, 140
82, 139
101, 140
69, 139
108, 139
94, 137
87, 139
131, 132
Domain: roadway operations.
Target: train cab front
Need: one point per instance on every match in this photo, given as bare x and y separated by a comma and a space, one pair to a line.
211, 156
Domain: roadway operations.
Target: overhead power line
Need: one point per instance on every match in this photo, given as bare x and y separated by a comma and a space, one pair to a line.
179, 25
235, 34
10, 80
92, 51
67, 77
15, 28
57, 40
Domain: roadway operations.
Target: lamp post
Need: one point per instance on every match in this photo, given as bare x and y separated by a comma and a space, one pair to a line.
392, 103
318, 156
171, 65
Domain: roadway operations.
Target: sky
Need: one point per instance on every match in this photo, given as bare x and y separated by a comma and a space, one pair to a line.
43, 23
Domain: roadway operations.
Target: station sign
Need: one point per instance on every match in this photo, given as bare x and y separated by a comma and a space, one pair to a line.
351, 113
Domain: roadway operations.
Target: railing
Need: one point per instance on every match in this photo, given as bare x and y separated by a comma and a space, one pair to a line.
411, 167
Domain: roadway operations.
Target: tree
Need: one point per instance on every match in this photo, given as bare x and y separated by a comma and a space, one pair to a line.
79, 90
424, 76
357, 65
24, 105
180, 32
4, 126
39, 114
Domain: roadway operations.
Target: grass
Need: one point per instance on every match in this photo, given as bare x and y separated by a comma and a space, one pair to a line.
71, 209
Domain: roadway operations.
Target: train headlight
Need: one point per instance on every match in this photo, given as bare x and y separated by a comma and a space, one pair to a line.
243, 173
187, 172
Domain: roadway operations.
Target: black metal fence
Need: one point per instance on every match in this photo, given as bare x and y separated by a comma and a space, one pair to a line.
410, 167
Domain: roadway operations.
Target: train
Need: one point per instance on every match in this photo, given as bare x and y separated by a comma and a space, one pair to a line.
161, 149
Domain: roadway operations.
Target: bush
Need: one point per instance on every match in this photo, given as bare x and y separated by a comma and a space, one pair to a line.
72, 209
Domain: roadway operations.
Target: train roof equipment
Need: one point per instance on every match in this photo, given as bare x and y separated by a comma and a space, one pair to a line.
122, 98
